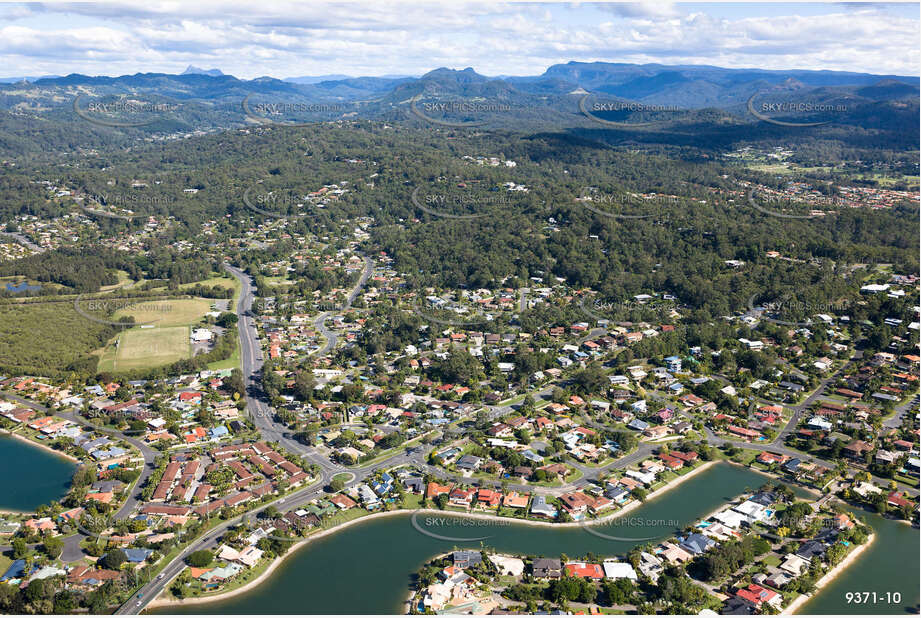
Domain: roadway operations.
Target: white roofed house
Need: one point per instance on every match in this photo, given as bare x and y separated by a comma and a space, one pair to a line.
731, 519
647, 478
650, 565
753, 511
619, 570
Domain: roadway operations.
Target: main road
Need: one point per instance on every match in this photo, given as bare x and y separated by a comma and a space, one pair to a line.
262, 414
251, 358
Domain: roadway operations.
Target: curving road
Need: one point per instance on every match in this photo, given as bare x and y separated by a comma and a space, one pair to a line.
72, 551
262, 414
320, 322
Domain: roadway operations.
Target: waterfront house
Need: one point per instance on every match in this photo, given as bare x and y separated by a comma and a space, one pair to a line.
650, 566
584, 569
466, 558
514, 500
488, 498
507, 565
737, 606
673, 553
696, 543
547, 568
343, 502
758, 595
794, 564
461, 497
619, 570
616, 493
576, 504
541, 508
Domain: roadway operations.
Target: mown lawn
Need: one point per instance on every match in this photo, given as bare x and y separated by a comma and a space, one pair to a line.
144, 348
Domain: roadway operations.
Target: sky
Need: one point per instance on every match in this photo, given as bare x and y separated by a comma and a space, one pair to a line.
291, 39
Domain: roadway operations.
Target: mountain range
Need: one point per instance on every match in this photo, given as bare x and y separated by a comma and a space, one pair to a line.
690, 86
699, 99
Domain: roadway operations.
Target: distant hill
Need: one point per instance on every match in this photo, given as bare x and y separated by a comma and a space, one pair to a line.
315, 79
13, 80
193, 70
707, 101
692, 87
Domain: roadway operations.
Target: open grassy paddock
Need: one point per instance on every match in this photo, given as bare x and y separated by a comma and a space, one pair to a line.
144, 348
166, 312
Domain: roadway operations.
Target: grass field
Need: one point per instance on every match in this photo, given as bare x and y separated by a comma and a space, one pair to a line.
231, 363
224, 282
144, 348
167, 312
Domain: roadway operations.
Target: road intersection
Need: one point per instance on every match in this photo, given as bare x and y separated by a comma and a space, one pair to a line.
260, 411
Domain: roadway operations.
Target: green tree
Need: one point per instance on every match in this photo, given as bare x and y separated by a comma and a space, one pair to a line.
200, 558
113, 559
53, 546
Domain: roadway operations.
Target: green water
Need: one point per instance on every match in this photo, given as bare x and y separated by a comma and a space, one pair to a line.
367, 568
890, 564
31, 476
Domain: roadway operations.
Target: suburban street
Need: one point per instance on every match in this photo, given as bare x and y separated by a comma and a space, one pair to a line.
320, 323
260, 411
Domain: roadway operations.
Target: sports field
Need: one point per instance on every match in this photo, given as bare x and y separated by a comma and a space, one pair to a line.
143, 348
166, 312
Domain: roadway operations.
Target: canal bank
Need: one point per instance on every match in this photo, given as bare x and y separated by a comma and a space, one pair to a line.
42, 475
369, 568
889, 564
831, 576
429, 514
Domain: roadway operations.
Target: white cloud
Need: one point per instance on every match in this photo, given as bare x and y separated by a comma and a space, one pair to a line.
286, 39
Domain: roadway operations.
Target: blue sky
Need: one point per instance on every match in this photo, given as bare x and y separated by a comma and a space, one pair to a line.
286, 39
